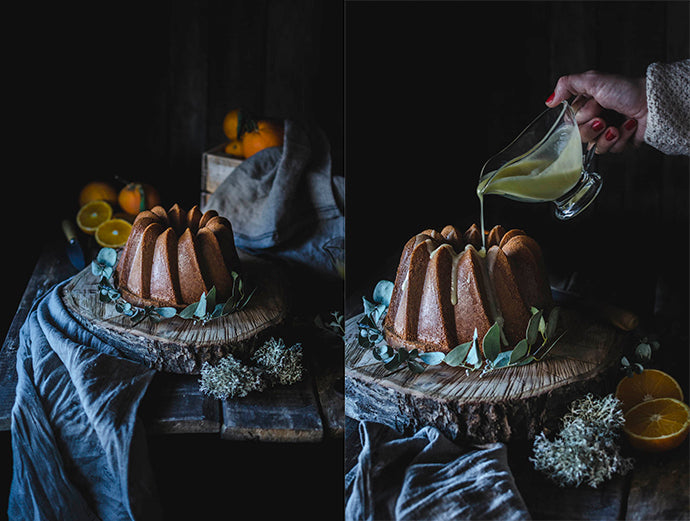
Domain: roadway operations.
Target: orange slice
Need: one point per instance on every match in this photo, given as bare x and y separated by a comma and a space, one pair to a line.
92, 215
647, 385
657, 425
113, 233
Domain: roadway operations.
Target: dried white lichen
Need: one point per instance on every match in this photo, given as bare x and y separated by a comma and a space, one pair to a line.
272, 364
229, 378
585, 450
280, 364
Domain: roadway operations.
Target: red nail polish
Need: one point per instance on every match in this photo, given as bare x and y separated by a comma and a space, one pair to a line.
630, 124
550, 98
610, 134
597, 125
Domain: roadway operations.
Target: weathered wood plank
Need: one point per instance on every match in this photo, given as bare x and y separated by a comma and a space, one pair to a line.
279, 414
326, 363
174, 404
660, 486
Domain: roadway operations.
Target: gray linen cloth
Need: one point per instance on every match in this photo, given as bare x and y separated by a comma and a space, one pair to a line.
286, 202
79, 451
426, 476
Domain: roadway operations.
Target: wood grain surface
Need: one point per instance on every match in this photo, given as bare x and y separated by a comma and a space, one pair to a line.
179, 345
511, 402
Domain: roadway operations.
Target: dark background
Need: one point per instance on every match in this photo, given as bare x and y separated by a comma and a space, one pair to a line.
139, 90
435, 89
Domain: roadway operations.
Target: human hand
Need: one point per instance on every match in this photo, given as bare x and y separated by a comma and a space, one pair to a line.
595, 91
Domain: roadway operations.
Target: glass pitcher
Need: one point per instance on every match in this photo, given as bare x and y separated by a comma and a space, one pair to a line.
545, 163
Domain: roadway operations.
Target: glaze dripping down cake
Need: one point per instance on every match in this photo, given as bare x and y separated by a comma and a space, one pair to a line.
172, 257
447, 285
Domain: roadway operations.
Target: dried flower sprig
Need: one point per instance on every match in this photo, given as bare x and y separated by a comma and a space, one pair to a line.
585, 450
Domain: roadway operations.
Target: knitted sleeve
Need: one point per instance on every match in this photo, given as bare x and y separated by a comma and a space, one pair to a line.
668, 103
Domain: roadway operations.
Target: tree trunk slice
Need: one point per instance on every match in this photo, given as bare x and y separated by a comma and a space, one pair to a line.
510, 403
178, 345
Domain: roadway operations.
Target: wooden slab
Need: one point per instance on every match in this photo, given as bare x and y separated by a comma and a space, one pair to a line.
177, 345
285, 413
174, 404
512, 402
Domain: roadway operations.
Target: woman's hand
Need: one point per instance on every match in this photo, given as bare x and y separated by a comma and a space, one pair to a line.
595, 91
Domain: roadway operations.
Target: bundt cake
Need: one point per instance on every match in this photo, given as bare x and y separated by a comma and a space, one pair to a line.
447, 285
172, 257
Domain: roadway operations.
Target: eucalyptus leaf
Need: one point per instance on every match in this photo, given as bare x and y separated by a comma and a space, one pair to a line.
433, 357
492, 342
383, 292
383, 352
403, 355
643, 352
394, 362
553, 322
107, 257
415, 366
211, 298
166, 312
373, 309
473, 358
533, 328
525, 361
520, 350
189, 311
502, 360
201, 307
458, 354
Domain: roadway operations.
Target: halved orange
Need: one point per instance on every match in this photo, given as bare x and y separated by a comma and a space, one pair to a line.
92, 215
113, 233
657, 425
647, 385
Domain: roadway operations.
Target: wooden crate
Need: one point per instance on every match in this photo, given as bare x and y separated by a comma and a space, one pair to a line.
216, 165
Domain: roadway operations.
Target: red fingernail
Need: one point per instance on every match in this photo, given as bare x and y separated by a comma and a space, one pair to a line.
550, 98
630, 124
610, 134
597, 125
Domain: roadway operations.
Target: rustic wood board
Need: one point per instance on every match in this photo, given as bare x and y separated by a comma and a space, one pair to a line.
177, 345
285, 413
514, 402
174, 404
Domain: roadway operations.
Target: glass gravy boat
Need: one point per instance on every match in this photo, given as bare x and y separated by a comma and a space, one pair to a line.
544, 163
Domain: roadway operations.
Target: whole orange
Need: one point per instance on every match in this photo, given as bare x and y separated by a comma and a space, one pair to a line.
263, 135
231, 124
234, 148
98, 191
137, 197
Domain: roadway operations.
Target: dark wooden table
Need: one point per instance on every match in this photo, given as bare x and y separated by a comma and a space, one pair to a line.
657, 488
310, 411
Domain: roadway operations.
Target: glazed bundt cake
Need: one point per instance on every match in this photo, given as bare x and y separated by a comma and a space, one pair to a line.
172, 257
446, 286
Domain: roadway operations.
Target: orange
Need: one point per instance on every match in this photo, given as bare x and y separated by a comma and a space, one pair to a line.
261, 135
92, 215
234, 148
137, 197
647, 385
657, 425
232, 123
97, 191
113, 233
